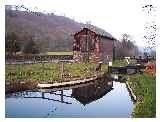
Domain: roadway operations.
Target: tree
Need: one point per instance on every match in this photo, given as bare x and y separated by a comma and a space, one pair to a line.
146, 54
31, 47
40, 43
12, 45
153, 53
125, 47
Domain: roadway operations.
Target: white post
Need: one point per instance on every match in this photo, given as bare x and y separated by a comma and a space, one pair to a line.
110, 63
109, 67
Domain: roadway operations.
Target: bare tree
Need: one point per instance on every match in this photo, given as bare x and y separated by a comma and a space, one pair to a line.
125, 47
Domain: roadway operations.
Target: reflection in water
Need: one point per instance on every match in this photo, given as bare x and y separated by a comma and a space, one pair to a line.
99, 98
92, 92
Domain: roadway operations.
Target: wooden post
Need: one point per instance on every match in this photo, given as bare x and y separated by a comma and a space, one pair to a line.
62, 96
42, 94
61, 71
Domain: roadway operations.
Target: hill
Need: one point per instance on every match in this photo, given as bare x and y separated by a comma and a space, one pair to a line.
53, 32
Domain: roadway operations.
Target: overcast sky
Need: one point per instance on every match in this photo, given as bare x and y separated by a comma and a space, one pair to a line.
114, 16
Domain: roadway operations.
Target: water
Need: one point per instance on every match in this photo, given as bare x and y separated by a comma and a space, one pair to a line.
92, 100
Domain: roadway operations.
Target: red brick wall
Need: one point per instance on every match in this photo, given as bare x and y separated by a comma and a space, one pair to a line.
102, 49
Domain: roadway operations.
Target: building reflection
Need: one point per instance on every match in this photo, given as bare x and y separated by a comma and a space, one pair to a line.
92, 92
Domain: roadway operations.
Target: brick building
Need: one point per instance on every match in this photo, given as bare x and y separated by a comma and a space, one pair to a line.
91, 46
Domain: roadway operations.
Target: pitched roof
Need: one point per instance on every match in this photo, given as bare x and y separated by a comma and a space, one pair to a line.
98, 31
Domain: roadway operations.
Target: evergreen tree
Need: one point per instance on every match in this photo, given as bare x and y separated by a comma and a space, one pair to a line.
31, 47
12, 45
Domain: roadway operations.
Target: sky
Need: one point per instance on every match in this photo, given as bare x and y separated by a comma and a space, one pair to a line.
114, 16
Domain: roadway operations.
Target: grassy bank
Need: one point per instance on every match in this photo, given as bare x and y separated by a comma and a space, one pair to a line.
144, 87
49, 71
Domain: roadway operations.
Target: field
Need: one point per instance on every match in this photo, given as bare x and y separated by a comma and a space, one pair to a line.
59, 53
49, 71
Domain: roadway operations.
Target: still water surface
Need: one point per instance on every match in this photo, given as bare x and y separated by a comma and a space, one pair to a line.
92, 100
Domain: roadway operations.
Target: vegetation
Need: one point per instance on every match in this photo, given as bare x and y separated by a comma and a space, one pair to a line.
31, 47
12, 44
144, 87
49, 71
117, 63
125, 47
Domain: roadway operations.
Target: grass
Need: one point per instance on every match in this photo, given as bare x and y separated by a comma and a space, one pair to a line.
118, 63
49, 71
144, 87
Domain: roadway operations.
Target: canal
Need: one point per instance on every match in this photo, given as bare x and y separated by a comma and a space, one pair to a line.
96, 99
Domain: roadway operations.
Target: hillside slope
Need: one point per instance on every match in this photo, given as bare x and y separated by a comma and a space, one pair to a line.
55, 32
